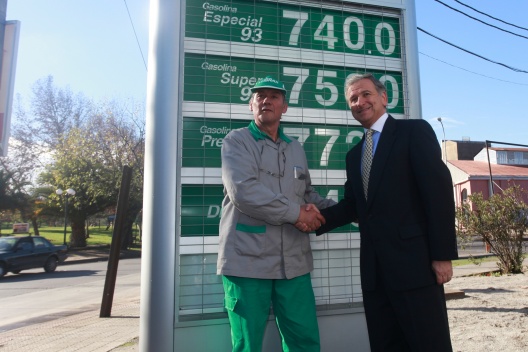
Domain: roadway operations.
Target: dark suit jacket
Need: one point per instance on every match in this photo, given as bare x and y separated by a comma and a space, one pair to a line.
409, 219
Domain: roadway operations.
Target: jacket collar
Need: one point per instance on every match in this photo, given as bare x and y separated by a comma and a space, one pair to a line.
258, 134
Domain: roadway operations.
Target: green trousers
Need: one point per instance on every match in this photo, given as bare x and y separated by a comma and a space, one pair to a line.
248, 301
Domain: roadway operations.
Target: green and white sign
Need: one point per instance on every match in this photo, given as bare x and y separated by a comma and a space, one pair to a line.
201, 208
318, 28
206, 55
325, 146
218, 79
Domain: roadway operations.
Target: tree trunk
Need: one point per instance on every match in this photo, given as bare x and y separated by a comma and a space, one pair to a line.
35, 226
128, 238
78, 234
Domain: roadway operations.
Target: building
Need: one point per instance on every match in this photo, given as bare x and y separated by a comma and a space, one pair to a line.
462, 150
471, 172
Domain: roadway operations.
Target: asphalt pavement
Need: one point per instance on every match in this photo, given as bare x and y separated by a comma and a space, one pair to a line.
87, 332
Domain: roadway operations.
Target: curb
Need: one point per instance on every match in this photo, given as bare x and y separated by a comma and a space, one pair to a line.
75, 258
454, 294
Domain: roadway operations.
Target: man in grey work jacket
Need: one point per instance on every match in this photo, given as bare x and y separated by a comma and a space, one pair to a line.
264, 253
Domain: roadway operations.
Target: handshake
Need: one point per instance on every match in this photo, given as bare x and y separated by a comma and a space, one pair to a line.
310, 219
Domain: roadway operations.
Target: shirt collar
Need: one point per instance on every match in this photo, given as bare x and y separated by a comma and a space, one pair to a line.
378, 125
258, 134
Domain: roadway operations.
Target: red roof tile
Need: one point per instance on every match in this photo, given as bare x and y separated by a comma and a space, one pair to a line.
480, 168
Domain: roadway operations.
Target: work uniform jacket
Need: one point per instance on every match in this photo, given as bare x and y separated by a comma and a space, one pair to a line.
265, 183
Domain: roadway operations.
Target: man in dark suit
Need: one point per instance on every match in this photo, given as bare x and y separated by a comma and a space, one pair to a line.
400, 192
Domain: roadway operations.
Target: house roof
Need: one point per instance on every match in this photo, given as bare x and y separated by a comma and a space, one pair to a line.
481, 168
509, 149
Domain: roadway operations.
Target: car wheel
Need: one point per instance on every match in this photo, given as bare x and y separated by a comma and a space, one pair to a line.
16, 271
51, 264
2, 269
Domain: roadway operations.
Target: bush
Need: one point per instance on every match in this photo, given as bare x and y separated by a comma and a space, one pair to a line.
500, 221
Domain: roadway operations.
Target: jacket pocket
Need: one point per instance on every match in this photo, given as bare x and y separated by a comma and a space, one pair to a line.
251, 228
250, 239
230, 303
411, 231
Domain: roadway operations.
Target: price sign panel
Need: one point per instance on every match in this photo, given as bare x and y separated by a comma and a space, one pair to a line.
218, 79
325, 28
201, 209
325, 146
206, 57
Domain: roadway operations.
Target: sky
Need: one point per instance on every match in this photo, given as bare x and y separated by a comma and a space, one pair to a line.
90, 46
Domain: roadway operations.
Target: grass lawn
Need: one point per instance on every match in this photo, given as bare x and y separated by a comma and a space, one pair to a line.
97, 237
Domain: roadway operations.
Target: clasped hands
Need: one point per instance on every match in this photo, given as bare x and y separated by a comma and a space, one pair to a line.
310, 219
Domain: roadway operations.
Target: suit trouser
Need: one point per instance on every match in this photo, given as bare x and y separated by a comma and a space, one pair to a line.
412, 320
248, 301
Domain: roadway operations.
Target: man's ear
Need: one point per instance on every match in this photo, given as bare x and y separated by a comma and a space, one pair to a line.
385, 99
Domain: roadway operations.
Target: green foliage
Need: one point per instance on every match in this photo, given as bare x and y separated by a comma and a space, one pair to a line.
500, 221
68, 141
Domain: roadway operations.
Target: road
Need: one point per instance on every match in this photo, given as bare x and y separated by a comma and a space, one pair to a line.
34, 296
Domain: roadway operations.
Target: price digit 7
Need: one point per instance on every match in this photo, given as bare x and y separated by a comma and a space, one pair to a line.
301, 18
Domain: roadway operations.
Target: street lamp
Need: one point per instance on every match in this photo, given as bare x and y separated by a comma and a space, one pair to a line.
69, 192
445, 155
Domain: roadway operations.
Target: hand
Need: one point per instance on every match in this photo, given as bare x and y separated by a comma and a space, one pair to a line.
443, 270
310, 219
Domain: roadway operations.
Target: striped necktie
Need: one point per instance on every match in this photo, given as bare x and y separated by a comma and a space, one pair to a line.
367, 160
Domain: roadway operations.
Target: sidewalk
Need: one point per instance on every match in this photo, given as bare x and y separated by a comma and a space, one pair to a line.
86, 332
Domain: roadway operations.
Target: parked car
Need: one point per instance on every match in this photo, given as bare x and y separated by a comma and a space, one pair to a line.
19, 253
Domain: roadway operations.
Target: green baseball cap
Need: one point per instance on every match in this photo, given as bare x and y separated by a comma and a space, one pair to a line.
269, 82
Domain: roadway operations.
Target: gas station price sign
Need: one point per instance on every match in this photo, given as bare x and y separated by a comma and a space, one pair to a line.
221, 79
325, 145
201, 208
293, 26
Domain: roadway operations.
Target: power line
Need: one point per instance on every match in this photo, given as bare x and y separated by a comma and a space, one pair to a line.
475, 73
472, 53
476, 19
137, 40
495, 18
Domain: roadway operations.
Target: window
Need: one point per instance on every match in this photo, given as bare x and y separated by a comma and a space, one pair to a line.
25, 244
512, 158
40, 242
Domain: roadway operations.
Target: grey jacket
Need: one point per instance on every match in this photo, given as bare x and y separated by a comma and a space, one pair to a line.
265, 182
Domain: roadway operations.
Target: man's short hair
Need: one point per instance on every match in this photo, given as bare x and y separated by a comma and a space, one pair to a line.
380, 87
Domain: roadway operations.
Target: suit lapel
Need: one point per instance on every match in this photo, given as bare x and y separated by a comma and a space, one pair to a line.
387, 138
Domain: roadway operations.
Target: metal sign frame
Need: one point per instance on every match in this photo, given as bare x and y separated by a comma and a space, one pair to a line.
200, 76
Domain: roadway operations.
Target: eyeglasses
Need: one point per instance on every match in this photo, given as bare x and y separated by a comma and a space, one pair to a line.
281, 165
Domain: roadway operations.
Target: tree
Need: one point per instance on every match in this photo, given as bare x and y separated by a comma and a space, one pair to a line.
35, 134
14, 184
55, 111
123, 138
71, 142
8, 197
501, 221
90, 159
